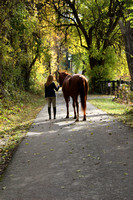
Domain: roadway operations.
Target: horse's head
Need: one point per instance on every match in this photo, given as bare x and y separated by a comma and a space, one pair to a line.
56, 75
62, 76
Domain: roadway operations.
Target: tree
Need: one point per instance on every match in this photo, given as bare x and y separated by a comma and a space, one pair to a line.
4, 14
34, 33
96, 23
29, 41
126, 26
20, 44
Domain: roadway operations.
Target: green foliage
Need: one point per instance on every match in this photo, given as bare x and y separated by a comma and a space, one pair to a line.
80, 62
18, 21
106, 71
24, 44
104, 38
29, 42
121, 70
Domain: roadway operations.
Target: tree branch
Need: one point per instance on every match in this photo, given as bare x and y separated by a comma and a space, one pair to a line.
80, 25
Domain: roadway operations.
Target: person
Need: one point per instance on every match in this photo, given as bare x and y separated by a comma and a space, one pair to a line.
50, 95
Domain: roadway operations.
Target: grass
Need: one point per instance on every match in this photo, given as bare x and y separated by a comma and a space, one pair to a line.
16, 117
123, 112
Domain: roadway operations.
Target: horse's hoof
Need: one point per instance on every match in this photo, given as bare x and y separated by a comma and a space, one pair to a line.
84, 119
77, 120
67, 117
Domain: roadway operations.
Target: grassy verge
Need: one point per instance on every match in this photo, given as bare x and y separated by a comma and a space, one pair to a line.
121, 111
16, 117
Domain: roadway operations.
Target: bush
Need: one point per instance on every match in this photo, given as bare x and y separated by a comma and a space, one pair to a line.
124, 94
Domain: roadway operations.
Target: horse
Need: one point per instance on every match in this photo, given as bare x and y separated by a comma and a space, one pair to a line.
73, 86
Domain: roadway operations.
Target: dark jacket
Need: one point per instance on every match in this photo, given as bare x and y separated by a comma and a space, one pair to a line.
50, 90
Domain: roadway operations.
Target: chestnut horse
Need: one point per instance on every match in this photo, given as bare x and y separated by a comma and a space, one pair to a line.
73, 86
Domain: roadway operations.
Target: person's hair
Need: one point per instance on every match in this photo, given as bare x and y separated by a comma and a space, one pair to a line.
49, 80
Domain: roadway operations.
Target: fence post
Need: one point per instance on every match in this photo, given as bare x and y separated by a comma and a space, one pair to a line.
113, 87
109, 87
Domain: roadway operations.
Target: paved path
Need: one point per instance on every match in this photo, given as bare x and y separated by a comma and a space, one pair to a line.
66, 160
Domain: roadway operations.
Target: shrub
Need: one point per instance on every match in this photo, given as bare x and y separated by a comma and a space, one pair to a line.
123, 94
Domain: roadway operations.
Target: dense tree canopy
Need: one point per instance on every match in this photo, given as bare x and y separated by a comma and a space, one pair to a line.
95, 23
39, 37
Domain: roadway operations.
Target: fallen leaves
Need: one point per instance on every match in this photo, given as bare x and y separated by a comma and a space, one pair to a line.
4, 187
73, 129
51, 149
81, 176
36, 154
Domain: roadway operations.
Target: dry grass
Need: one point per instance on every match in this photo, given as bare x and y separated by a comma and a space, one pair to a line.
16, 118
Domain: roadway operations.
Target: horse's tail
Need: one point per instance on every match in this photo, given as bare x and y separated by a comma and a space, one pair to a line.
83, 94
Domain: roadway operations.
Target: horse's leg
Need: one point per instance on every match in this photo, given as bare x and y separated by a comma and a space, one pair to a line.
77, 105
74, 108
84, 118
67, 105
84, 111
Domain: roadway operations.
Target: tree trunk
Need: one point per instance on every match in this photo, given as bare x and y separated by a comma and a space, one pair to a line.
127, 33
1, 81
96, 62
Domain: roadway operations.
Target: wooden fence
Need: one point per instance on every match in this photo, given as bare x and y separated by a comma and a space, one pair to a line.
109, 87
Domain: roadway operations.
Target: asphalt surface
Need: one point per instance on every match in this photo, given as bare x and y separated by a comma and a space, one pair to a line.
66, 160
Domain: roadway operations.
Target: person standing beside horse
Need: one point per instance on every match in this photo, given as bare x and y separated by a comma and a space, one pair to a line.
50, 95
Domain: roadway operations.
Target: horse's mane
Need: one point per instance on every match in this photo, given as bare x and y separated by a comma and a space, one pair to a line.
63, 72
